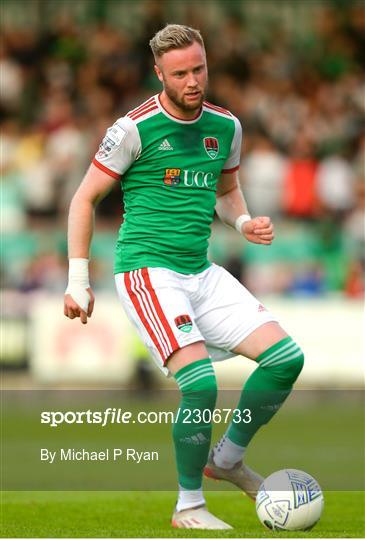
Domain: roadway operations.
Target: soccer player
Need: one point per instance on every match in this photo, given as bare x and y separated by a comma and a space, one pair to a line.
177, 157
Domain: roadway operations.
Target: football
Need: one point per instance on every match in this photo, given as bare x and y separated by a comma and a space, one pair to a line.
289, 500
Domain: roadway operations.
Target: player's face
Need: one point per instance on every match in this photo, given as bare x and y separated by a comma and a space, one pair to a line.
184, 75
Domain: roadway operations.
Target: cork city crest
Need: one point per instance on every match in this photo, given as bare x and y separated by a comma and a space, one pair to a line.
184, 323
211, 146
172, 177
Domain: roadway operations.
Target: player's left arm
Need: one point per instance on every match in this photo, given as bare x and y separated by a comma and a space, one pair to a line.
231, 205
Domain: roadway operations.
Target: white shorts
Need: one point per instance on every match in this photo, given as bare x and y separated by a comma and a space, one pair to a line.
171, 310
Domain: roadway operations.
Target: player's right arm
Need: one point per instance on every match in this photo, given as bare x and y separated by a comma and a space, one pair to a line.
118, 150
79, 298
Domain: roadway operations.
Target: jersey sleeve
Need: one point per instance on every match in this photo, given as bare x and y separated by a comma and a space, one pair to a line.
233, 162
120, 147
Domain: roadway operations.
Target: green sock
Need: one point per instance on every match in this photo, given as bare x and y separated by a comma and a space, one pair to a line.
267, 388
198, 386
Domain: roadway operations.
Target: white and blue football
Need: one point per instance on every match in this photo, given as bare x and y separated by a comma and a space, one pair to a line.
289, 500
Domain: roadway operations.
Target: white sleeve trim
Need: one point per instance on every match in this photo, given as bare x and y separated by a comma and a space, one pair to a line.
233, 160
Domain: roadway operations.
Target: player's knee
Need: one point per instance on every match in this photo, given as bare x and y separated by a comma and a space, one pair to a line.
203, 394
297, 364
286, 363
198, 384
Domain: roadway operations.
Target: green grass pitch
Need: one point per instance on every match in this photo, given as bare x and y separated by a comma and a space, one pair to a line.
147, 514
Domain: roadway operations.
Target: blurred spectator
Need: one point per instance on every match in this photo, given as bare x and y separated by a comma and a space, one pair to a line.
335, 184
262, 175
354, 230
11, 80
299, 187
37, 180
13, 210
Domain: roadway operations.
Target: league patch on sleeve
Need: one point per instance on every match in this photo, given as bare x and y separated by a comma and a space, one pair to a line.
113, 138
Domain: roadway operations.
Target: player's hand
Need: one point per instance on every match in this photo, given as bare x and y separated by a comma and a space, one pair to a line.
79, 303
259, 230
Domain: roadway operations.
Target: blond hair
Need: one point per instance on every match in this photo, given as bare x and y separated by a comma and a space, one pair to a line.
174, 36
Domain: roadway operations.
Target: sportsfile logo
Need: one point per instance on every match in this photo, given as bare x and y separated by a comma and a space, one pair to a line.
113, 415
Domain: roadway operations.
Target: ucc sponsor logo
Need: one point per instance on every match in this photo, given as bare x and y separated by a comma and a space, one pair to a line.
187, 177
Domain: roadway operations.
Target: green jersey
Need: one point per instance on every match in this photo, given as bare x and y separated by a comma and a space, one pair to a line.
169, 170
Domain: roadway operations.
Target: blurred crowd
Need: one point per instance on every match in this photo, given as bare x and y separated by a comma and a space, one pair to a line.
299, 96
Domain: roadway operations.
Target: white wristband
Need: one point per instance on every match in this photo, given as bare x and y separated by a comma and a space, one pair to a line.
78, 272
240, 221
78, 282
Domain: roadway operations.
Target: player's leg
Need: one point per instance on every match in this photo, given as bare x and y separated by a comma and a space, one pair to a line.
233, 319
195, 377
280, 361
157, 304
194, 374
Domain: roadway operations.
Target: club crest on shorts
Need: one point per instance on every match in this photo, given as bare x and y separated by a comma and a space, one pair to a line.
172, 177
184, 323
211, 146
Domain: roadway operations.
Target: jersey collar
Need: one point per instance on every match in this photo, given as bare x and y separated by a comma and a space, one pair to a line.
175, 118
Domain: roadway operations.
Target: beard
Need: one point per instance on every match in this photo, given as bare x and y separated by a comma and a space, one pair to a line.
180, 102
